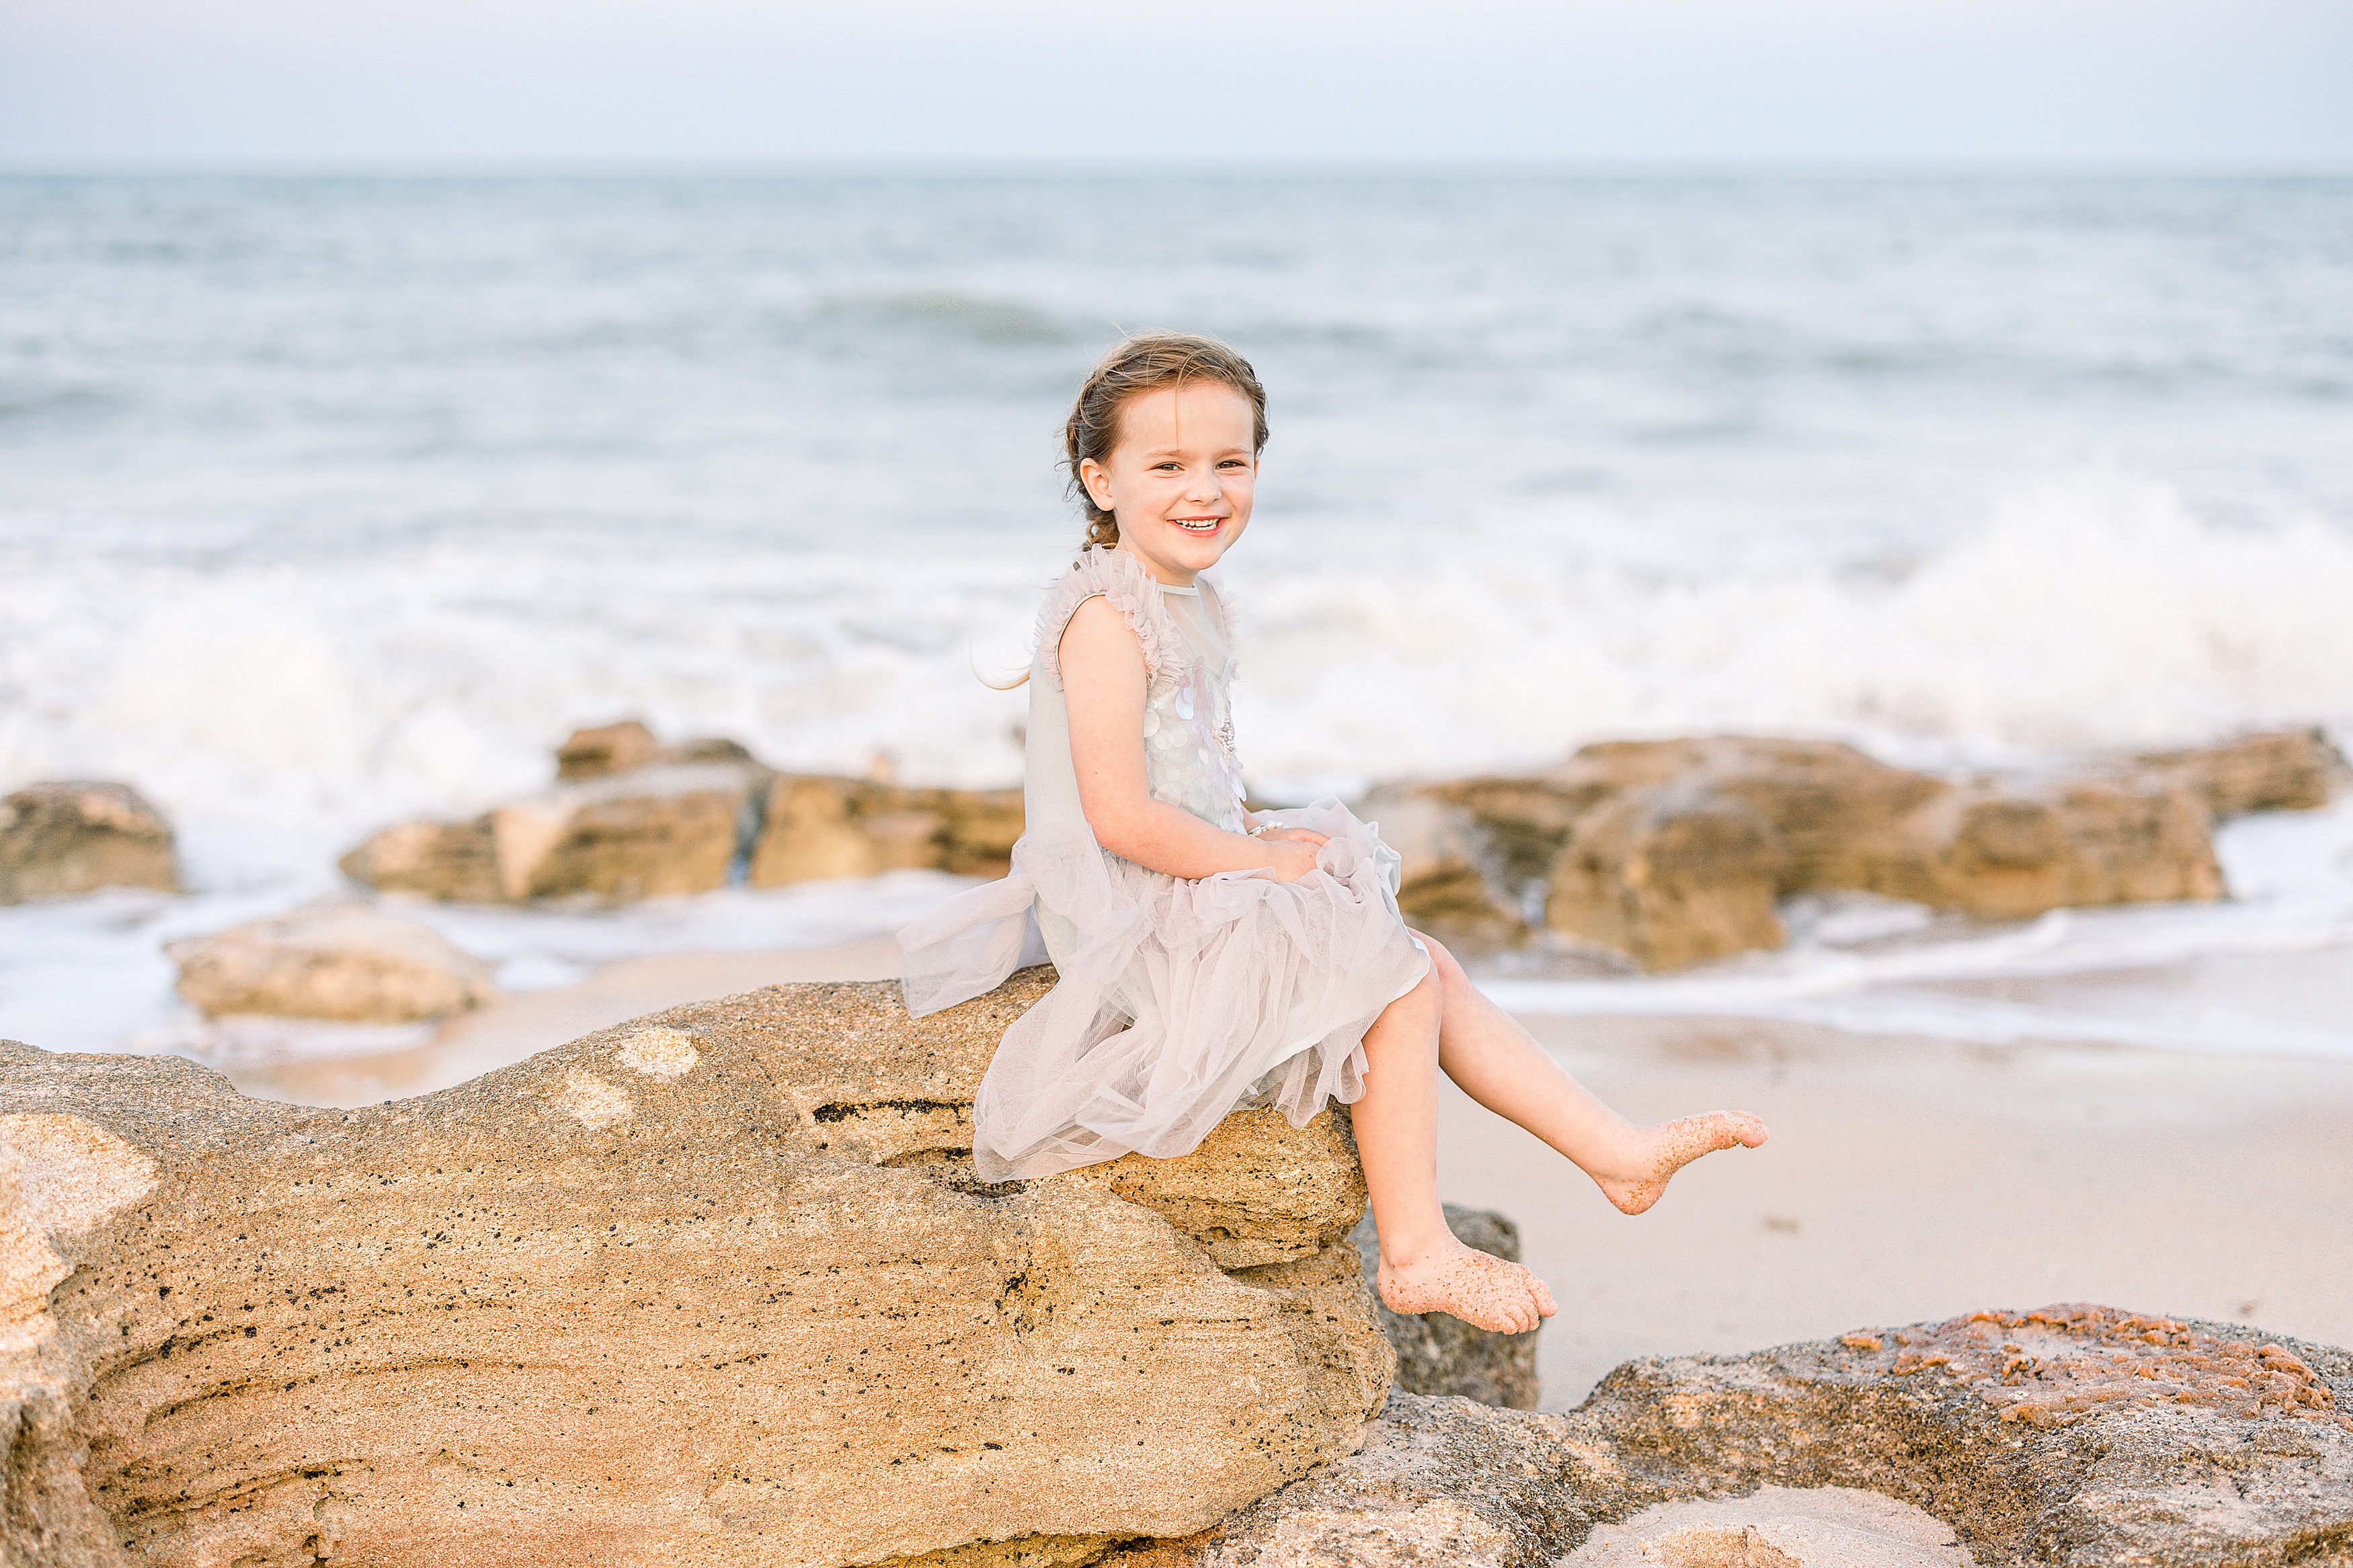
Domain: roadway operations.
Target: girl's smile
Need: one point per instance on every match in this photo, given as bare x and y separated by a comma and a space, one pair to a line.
1180, 479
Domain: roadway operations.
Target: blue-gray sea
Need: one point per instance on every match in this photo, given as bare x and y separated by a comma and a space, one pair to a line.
326, 501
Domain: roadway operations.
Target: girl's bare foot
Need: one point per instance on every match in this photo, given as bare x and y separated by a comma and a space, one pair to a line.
1639, 1174
1501, 1297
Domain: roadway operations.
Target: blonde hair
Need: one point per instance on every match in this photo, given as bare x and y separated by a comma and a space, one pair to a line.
1145, 363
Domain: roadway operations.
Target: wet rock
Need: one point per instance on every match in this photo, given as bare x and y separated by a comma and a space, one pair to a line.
628, 818
1451, 879
2284, 770
610, 749
1439, 1353
650, 833
455, 861
344, 960
1670, 876
1832, 808
818, 827
604, 749
58, 839
715, 1286
632, 817
1674, 852
2006, 854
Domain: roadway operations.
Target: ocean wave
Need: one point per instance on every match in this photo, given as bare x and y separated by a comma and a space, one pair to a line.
338, 692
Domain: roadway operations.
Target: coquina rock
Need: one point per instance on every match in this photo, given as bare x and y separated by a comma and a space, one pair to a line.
818, 827
630, 818
2288, 770
716, 1285
1674, 852
648, 833
344, 960
63, 839
1451, 877
1439, 1353
2082, 1436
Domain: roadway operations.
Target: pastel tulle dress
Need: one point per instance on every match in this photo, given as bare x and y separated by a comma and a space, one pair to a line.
1177, 1000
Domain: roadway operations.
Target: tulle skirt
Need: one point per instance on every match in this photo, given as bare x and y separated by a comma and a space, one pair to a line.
1177, 1001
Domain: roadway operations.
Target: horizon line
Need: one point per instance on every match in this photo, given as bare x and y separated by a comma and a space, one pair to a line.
1498, 166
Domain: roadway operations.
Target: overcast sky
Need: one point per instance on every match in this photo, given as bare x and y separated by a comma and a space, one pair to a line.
504, 82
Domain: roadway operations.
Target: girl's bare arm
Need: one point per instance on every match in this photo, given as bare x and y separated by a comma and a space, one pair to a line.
1104, 682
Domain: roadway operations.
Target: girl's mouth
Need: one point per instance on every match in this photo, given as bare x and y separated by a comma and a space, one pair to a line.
1197, 524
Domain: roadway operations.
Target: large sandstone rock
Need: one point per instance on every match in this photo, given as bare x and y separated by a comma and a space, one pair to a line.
2082, 1436
717, 1285
342, 961
62, 839
1439, 1353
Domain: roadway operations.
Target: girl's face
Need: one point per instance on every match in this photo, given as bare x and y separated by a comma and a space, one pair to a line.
1179, 480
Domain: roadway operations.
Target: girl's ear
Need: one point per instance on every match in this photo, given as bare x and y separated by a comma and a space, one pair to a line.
1098, 483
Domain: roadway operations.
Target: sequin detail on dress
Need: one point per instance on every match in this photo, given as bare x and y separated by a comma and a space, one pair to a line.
1177, 1000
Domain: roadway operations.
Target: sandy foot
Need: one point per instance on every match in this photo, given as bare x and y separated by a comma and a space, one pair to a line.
1660, 1152
1501, 1297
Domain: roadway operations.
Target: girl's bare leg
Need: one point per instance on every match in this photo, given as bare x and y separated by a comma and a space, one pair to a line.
1498, 1064
1424, 1268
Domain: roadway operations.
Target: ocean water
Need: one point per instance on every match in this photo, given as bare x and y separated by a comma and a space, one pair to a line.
325, 503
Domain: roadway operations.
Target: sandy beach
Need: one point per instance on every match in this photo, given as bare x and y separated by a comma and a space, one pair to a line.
1908, 1178
1912, 1179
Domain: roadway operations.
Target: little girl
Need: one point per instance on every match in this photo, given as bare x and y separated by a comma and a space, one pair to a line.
1208, 958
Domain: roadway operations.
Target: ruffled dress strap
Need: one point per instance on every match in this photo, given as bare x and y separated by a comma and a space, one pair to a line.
1123, 581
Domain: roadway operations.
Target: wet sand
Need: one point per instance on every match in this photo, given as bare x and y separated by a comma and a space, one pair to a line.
1907, 1179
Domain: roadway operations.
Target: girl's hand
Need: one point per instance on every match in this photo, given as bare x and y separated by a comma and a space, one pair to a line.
1294, 849
1292, 858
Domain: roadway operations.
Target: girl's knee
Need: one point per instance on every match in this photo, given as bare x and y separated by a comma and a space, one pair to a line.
1443, 966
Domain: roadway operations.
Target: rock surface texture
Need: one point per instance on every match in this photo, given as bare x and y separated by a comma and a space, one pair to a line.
629, 817
58, 839
719, 1286
1441, 1353
716, 1285
2082, 1436
344, 960
1673, 852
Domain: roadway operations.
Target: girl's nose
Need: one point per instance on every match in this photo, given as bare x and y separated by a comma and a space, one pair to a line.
1204, 488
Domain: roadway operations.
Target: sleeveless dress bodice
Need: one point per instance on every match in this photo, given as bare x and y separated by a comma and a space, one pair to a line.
1188, 732
1176, 999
